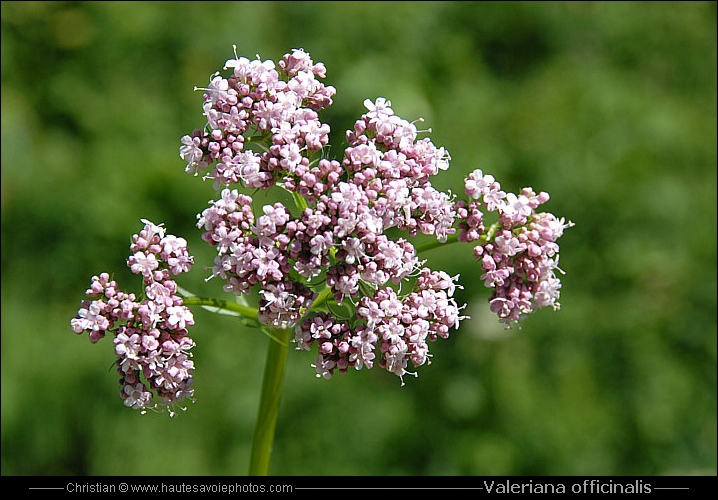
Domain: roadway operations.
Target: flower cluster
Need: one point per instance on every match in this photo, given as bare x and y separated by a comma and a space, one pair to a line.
258, 102
332, 258
150, 335
518, 252
399, 326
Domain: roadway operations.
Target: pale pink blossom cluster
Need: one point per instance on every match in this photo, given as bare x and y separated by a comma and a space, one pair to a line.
518, 253
261, 104
150, 333
335, 264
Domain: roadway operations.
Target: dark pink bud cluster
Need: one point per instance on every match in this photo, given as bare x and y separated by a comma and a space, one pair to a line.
387, 327
150, 334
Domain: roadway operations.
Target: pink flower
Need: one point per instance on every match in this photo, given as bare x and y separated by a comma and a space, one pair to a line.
179, 317
142, 263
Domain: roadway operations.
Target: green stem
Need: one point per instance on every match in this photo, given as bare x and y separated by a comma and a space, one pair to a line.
246, 311
271, 384
489, 236
430, 245
486, 237
269, 403
299, 201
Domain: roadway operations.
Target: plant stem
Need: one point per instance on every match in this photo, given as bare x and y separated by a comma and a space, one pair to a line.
246, 311
269, 403
486, 237
430, 245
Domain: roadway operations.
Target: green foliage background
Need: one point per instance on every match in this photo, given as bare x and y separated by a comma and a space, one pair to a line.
608, 106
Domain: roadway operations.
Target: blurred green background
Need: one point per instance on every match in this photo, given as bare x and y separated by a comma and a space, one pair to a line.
610, 107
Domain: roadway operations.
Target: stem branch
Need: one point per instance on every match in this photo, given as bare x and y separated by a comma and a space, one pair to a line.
246, 311
488, 236
272, 383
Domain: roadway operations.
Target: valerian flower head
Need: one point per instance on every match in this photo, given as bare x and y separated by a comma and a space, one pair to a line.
150, 334
333, 257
